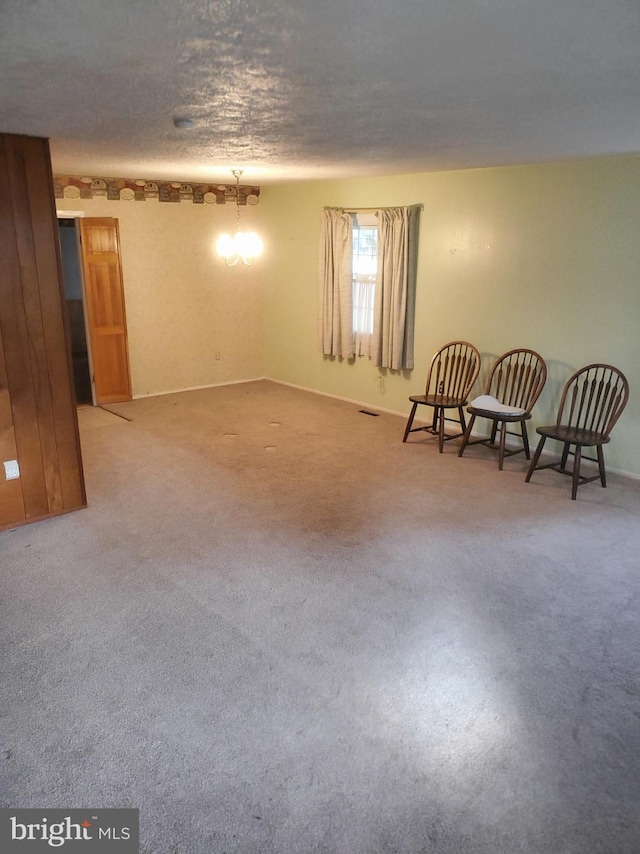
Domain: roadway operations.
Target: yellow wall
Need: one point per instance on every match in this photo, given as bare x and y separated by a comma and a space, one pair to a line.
183, 305
541, 256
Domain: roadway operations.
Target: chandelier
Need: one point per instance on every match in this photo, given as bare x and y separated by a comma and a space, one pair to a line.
243, 246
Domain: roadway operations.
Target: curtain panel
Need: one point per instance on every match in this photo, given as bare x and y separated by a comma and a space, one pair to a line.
336, 284
391, 344
364, 289
394, 314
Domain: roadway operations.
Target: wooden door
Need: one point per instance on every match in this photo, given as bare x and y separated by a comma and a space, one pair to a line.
106, 318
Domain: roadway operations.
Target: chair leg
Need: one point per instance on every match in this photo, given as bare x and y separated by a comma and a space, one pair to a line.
463, 422
503, 436
494, 430
410, 422
576, 472
603, 475
467, 433
525, 440
565, 456
440, 410
536, 457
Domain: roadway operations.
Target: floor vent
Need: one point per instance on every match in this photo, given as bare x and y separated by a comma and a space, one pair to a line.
372, 414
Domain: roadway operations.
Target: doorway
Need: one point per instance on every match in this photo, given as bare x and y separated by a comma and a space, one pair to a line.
94, 291
74, 298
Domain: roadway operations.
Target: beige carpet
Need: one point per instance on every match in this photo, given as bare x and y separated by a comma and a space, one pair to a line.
277, 628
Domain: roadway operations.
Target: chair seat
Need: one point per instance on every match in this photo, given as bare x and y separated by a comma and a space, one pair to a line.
442, 400
498, 416
574, 435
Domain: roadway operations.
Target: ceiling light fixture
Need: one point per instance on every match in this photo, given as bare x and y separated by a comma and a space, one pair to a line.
244, 246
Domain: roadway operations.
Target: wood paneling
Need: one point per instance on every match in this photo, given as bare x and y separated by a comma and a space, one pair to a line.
37, 402
11, 503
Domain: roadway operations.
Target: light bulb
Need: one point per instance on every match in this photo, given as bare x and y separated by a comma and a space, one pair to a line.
225, 246
249, 244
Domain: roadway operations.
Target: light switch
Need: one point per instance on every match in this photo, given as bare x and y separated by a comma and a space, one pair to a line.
11, 469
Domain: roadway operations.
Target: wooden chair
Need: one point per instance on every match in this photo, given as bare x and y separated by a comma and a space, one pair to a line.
592, 401
452, 373
514, 385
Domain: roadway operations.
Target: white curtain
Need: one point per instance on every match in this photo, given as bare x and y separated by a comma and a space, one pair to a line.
336, 285
395, 288
364, 289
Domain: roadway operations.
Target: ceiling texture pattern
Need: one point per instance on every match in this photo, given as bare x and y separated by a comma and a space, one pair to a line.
306, 89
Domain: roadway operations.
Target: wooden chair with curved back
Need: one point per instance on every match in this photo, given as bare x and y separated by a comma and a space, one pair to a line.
513, 387
592, 401
452, 373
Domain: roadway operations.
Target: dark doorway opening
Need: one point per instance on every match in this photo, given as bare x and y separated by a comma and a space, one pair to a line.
74, 296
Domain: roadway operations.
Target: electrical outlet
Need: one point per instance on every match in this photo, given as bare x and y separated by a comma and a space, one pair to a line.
217, 355
11, 469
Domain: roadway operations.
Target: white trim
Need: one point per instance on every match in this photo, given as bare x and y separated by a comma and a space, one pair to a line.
338, 397
195, 388
70, 214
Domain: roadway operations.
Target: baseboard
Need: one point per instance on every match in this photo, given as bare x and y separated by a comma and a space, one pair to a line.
339, 397
197, 388
404, 415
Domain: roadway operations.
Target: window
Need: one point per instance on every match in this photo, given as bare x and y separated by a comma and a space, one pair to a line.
364, 267
367, 283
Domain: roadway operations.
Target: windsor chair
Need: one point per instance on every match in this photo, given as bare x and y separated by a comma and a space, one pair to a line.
592, 401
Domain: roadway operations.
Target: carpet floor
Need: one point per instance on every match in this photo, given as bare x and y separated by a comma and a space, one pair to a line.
278, 629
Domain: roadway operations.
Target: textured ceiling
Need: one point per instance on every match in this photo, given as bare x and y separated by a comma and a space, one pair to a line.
302, 89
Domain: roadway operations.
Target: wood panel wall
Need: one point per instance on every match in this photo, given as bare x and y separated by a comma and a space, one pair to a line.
38, 418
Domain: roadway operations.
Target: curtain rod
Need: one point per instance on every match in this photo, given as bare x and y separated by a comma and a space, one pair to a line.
377, 208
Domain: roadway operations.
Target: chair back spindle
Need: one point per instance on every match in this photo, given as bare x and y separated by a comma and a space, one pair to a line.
517, 379
594, 398
453, 370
